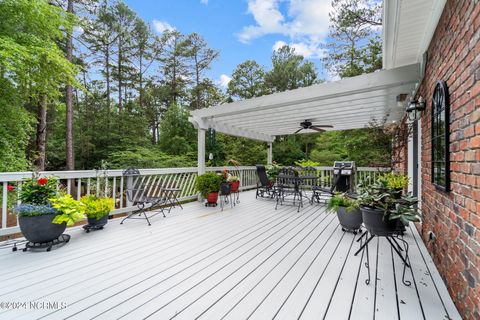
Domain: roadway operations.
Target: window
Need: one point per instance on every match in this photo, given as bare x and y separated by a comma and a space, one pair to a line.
440, 137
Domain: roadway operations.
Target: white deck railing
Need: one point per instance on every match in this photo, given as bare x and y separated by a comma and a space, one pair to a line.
80, 183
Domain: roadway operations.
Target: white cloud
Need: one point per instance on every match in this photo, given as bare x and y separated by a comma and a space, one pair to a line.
162, 26
306, 49
224, 80
305, 23
205, 2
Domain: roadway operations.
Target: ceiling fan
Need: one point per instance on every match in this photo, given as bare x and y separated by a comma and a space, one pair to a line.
307, 124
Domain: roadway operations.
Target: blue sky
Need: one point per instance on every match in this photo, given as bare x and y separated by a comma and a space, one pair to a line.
243, 29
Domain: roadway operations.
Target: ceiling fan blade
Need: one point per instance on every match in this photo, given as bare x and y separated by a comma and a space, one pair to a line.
298, 131
323, 126
316, 129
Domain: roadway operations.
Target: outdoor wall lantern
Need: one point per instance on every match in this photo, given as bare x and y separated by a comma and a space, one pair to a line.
415, 108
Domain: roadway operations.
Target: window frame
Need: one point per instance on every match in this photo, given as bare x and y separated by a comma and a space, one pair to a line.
445, 137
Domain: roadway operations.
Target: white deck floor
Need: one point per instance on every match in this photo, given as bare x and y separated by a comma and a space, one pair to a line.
248, 262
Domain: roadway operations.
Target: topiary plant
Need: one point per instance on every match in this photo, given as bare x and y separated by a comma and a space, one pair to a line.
207, 183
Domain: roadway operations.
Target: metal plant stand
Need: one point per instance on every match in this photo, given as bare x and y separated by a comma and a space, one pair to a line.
171, 196
392, 240
64, 238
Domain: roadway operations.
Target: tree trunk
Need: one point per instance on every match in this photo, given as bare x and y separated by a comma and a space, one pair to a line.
197, 80
69, 102
41, 140
107, 75
119, 66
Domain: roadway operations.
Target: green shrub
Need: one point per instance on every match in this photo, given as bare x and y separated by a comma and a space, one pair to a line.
306, 163
341, 200
97, 207
38, 191
70, 210
396, 181
207, 183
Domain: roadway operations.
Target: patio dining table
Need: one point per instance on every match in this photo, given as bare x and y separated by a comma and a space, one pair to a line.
297, 181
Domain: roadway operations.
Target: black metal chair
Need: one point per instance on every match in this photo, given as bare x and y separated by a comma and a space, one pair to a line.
321, 194
263, 184
289, 184
137, 195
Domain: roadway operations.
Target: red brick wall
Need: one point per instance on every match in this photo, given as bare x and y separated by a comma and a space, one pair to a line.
454, 217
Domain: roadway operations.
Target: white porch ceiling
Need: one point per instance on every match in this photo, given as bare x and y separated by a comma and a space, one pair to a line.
349, 103
408, 27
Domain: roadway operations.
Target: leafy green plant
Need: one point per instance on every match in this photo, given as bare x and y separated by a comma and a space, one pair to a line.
394, 204
70, 210
341, 200
396, 181
307, 163
233, 179
38, 191
272, 171
97, 207
207, 183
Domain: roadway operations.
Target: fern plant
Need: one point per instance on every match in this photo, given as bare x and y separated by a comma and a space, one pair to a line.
341, 200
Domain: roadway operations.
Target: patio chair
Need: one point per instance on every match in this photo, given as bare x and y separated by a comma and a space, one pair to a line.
289, 184
263, 184
138, 196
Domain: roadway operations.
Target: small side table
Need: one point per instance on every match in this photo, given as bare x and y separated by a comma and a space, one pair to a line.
171, 196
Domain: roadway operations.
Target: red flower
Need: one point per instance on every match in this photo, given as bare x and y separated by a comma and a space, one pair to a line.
10, 187
42, 181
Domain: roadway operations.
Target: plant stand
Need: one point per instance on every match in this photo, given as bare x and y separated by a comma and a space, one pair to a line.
89, 228
392, 239
63, 238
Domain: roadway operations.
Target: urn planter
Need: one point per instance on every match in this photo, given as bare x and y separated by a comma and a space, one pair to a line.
377, 224
40, 229
350, 220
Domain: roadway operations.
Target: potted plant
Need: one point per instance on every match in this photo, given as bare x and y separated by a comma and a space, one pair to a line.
385, 208
273, 171
234, 183
225, 187
208, 184
348, 211
97, 210
42, 216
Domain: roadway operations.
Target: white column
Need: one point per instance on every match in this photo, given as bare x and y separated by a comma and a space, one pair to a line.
201, 154
270, 153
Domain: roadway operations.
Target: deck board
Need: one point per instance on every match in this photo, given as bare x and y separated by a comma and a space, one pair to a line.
247, 262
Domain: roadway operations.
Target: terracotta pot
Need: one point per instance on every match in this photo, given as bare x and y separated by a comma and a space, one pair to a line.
234, 185
212, 197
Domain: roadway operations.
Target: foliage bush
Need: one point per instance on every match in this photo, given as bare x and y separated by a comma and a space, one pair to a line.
31, 210
97, 207
143, 158
38, 191
306, 163
395, 180
69, 209
394, 204
207, 183
341, 200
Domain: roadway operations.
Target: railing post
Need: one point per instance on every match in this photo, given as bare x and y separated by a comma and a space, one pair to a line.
129, 182
201, 154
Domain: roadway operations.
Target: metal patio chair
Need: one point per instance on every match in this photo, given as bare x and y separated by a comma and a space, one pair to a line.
137, 195
263, 184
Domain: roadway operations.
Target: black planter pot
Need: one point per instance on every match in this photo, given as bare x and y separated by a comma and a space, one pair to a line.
351, 220
40, 229
225, 189
376, 224
92, 222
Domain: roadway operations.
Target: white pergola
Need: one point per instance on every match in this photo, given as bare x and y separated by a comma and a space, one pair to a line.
349, 103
